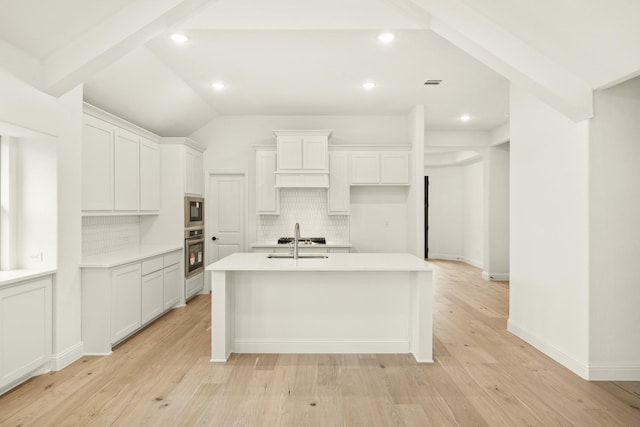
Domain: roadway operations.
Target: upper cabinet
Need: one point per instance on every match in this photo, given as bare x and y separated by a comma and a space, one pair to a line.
267, 195
302, 158
149, 175
194, 174
120, 168
380, 168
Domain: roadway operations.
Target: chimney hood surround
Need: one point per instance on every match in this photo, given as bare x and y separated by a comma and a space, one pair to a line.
302, 158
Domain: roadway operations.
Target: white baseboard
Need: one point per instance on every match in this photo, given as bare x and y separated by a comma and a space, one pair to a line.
473, 262
446, 257
614, 372
497, 277
550, 350
67, 357
321, 346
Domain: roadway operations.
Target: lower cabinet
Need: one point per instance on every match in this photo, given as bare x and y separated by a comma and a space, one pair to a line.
117, 302
125, 301
25, 331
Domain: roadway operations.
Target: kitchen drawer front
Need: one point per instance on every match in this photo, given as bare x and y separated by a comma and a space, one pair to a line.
152, 264
172, 258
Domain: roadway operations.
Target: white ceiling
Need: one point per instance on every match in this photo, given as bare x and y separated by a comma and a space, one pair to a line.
285, 57
309, 57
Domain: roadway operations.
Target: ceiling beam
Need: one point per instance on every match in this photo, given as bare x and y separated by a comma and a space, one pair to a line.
20, 63
105, 43
509, 56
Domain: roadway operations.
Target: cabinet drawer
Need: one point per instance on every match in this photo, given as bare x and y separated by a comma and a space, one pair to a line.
152, 264
172, 258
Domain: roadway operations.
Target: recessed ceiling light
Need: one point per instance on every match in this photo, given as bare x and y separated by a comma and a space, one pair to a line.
368, 85
179, 38
217, 86
465, 118
386, 37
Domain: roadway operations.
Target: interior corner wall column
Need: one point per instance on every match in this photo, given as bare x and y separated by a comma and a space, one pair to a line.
496, 214
415, 198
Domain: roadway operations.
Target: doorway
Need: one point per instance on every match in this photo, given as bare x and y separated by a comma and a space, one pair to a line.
226, 213
426, 217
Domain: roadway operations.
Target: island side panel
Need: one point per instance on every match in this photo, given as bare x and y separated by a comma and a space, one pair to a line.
222, 316
322, 312
422, 316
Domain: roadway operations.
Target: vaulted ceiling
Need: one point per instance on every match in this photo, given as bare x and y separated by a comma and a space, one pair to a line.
303, 57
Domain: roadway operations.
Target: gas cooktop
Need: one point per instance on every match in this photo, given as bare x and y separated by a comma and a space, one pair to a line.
303, 240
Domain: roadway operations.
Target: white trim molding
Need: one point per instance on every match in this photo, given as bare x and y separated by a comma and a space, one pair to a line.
550, 350
496, 277
65, 358
614, 372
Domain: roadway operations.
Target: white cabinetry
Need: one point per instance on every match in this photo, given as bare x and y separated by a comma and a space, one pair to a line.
302, 158
267, 195
25, 330
194, 175
172, 282
125, 301
149, 175
152, 291
379, 168
127, 171
338, 195
118, 301
120, 168
97, 164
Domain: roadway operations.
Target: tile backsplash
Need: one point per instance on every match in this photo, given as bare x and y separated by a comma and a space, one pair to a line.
308, 207
104, 234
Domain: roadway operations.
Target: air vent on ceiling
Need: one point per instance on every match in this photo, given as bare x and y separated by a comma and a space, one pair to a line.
432, 82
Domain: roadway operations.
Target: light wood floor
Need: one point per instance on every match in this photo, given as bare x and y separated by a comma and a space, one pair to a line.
482, 376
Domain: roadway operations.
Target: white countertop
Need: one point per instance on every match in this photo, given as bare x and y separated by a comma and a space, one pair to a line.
243, 261
10, 277
329, 244
114, 259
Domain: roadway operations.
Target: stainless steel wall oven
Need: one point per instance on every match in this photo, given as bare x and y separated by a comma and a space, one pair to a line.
194, 251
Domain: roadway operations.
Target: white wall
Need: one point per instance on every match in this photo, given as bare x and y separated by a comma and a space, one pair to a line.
473, 214
61, 118
415, 195
496, 213
456, 217
549, 231
614, 230
229, 141
37, 215
446, 199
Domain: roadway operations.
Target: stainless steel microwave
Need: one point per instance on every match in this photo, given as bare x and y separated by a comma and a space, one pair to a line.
193, 212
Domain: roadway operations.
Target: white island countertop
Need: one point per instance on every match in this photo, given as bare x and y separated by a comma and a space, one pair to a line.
243, 261
125, 256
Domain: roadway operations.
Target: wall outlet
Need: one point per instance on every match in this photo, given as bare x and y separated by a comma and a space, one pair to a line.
387, 223
37, 257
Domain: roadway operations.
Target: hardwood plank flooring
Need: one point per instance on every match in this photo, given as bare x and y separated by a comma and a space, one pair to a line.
482, 376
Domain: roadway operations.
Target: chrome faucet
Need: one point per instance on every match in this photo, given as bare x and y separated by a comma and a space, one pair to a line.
296, 240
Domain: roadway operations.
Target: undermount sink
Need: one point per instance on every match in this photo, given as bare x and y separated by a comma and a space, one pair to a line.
299, 256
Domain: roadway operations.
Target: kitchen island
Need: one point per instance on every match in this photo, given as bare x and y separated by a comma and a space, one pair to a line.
341, 303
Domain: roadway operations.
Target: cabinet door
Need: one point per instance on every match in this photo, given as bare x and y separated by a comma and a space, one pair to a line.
338, 195
152, 296
314, 153
125, 301
149, 175
194, 176
25, 329
127, 171
394, 167
97, 165
267, 195
365, 167
289, 152
172, 286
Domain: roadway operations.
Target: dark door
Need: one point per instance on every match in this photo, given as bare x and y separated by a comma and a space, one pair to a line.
426, 217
